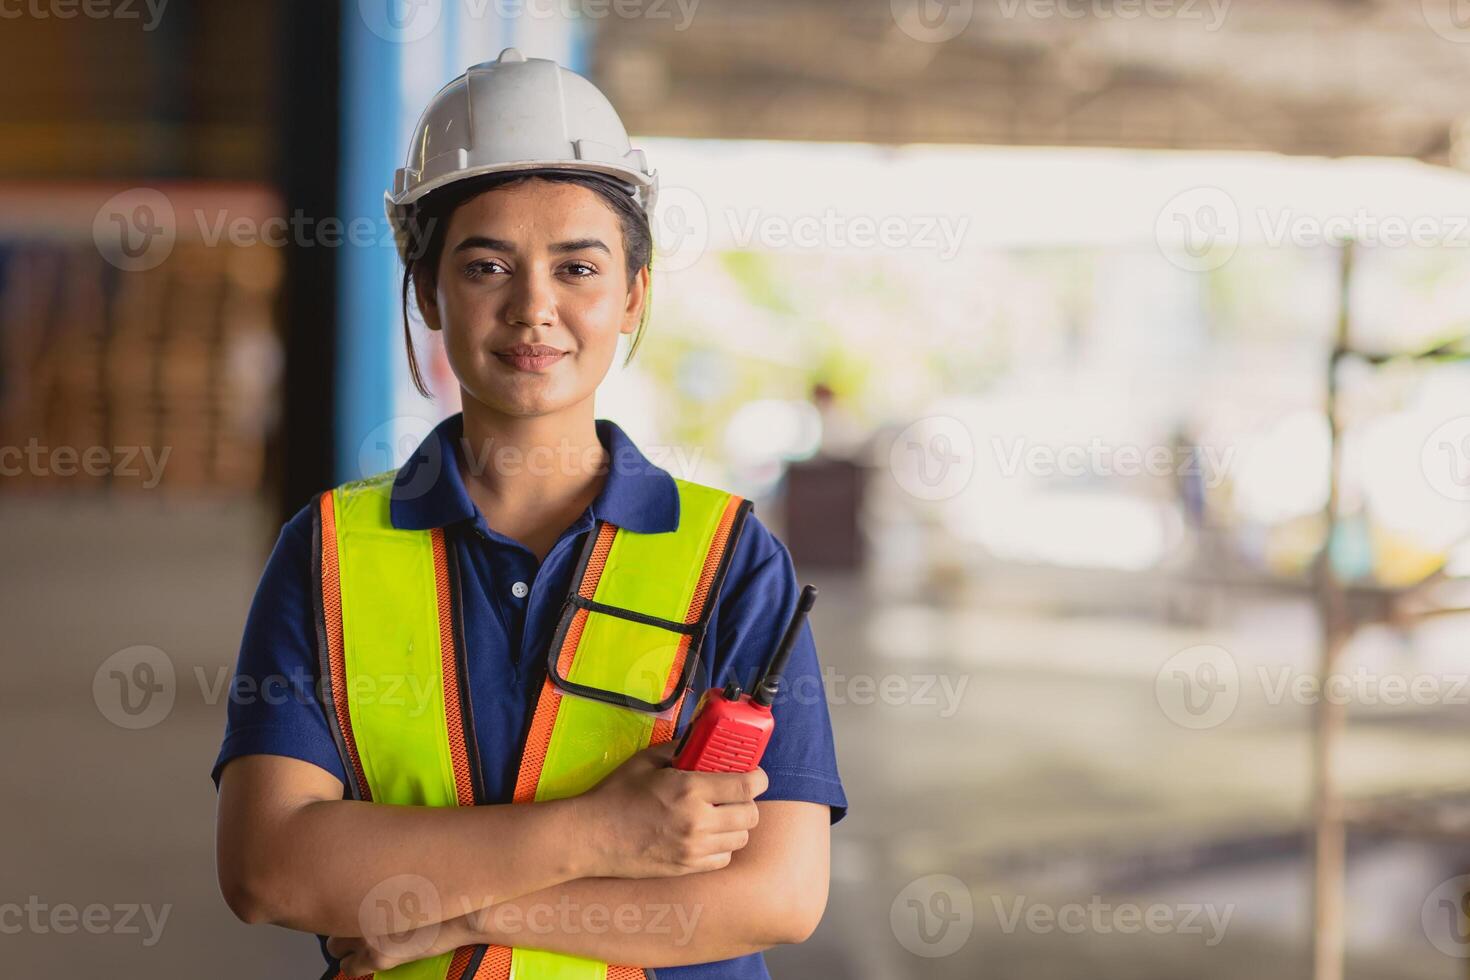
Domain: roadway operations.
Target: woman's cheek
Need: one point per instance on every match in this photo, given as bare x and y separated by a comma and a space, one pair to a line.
599, 309
467, 326
599, 328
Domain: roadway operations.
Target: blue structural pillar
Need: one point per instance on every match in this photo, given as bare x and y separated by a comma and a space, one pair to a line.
368, 319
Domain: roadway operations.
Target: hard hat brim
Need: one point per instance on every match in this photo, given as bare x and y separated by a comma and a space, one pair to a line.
641, 188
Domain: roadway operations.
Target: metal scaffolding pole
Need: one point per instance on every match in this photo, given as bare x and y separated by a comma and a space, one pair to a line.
1329, 828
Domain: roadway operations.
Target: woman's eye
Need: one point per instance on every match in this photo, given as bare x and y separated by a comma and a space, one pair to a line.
481, 268
590, 270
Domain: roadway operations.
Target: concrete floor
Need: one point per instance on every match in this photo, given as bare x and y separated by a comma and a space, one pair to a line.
1050, 778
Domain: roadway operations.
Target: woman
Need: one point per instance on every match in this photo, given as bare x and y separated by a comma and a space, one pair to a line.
448, 744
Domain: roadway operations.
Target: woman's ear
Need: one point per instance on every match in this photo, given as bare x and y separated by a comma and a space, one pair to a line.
637, 296
423, 291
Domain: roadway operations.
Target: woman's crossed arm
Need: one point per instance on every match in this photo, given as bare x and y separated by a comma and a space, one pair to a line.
292, 852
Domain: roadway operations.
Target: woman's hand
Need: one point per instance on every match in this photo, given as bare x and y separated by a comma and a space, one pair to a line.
364, 956
649, 820
644, 820
360, 957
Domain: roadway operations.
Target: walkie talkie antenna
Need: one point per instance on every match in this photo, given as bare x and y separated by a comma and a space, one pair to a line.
770, 682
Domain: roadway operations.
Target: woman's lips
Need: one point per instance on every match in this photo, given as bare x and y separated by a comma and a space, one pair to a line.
534, 363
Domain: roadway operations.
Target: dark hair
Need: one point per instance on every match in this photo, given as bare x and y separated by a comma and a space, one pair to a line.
427, 223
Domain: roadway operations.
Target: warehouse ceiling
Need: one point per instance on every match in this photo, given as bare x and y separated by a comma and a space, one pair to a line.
1324, 77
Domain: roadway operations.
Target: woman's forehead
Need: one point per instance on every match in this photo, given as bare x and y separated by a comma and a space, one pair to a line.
535, 209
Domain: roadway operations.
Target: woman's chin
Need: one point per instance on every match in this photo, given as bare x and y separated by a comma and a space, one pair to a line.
520, 401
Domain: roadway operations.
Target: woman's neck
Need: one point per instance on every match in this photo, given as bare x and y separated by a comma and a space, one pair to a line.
531, 477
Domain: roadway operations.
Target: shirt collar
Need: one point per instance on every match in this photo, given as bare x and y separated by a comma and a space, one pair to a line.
429, 491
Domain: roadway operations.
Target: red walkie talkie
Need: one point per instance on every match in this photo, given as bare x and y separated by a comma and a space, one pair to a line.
730, 730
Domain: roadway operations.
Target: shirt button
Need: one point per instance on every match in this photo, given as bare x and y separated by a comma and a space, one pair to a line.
519, 590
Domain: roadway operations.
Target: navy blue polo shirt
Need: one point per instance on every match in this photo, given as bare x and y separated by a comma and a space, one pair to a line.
511, 603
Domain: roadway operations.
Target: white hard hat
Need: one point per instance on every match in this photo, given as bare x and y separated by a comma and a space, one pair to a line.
516, 113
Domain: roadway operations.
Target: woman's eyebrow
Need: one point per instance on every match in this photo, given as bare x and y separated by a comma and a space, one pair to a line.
578, 244
480, 241
500, 245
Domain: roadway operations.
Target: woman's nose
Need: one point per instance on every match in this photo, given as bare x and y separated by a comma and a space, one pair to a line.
532, 301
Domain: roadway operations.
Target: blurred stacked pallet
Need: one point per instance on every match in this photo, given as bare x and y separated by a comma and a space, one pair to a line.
114, 380
177, 364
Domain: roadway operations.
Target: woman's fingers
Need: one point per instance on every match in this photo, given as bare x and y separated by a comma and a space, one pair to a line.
340, 946
733, 787
357, 957
735, 816
729, 842
653, 757
352, 969
359, 965
647, 818
364, 961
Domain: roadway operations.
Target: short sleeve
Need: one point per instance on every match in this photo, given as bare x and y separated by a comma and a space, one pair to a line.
755, 604
273, 698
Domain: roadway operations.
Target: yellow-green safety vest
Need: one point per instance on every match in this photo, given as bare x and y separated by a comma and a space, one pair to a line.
629, 633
